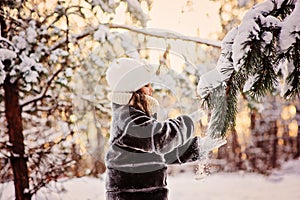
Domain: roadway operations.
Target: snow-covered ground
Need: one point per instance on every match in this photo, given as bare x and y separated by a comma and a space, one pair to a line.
283, 184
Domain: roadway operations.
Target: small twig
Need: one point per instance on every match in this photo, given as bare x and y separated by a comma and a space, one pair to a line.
43, 94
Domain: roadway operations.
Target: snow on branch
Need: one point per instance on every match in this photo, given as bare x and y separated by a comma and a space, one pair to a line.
150, 32
134, 7
7, 41
159, 33
42, 94
166, 34
252, 37
251, 57
290, 29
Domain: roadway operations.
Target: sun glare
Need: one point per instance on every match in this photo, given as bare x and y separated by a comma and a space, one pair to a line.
197, 18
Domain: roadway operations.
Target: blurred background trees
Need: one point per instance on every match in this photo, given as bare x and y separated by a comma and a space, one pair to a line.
55, 116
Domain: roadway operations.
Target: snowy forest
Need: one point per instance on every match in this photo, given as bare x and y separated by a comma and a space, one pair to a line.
55, 115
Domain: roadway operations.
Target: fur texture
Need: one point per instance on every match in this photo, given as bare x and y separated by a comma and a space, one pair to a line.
140, 148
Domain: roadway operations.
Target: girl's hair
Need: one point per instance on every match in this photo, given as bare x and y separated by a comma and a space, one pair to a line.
138, 100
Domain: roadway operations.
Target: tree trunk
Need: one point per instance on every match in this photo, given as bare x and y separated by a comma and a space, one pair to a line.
16, 139
99, 166
274, 143
235, 155
14, 123
232, 153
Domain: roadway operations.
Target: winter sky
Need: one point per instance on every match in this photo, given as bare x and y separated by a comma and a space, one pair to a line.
191, 18
197, 18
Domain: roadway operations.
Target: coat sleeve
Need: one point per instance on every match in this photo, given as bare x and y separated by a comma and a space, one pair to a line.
189, 152
142, 132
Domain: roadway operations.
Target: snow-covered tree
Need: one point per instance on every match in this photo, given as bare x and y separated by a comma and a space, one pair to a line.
54, 55
41, 45
259, 56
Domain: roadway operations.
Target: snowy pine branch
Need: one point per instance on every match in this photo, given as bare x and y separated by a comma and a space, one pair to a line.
217, 121
254, 57
293, 79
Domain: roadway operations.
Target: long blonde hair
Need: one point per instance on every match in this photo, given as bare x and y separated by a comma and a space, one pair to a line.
138, 100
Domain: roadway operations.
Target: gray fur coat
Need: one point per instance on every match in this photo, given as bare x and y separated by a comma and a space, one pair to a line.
140, 149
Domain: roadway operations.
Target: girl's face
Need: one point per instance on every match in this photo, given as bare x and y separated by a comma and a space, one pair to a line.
147, 90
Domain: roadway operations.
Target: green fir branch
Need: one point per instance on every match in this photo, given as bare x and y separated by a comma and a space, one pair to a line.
218, 115
231, 110
284, 10
260, 61
293, 79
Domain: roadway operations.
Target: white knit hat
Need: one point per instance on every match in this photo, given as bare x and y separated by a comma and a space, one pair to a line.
128, 74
